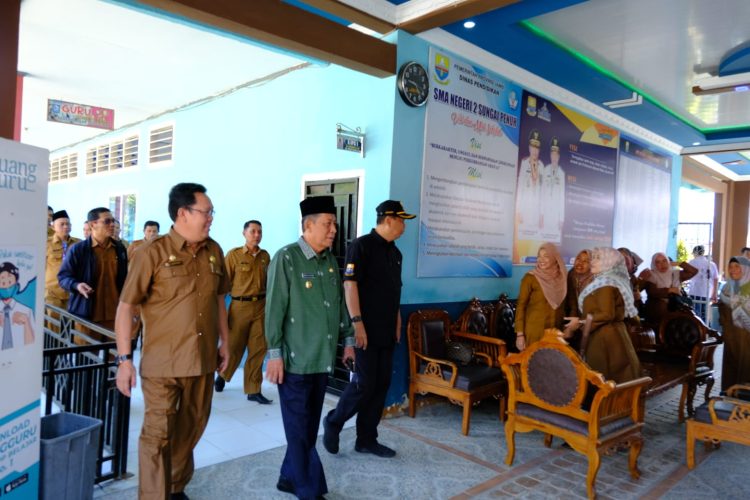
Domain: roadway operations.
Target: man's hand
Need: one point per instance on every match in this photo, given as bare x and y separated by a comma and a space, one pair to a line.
84, 289
275, 370
348, 354
125, 377
223, 358
360, 335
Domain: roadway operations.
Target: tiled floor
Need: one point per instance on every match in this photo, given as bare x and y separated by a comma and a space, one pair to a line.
236, 428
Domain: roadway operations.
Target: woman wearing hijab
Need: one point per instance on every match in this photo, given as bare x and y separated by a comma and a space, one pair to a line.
632, 261
609, 300
661, 281
542, 296
578, 278
734, 315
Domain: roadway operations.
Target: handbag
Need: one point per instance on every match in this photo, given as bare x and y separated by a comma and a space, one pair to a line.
679, 301
459, 353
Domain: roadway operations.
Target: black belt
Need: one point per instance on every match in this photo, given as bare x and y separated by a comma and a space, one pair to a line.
250, 298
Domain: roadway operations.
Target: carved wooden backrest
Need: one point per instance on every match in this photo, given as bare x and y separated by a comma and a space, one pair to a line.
680, 330
474, 319
503, 319
428, 331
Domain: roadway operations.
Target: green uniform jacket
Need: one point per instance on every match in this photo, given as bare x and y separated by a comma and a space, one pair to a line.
305, 309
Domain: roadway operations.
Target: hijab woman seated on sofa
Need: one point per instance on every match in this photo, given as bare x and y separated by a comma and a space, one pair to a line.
661, 281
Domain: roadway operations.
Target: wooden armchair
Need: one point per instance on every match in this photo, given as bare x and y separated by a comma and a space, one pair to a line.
431, 372
683, 355
551, 389
723, 418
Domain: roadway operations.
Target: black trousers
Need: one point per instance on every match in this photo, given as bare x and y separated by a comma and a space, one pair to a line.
365, 394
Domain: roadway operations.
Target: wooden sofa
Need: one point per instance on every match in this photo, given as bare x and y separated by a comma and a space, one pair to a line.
551, 390
430, 370
724, 418
679, 353
682, 354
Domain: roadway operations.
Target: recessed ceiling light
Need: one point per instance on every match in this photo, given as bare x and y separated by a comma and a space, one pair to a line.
696, 144
469, 24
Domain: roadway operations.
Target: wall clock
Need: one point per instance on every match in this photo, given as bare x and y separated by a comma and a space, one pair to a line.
413, 84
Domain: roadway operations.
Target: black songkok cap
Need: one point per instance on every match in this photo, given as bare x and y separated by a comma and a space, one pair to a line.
317, 205
62, 214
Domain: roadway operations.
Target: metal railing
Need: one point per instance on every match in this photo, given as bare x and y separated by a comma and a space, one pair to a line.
81, 379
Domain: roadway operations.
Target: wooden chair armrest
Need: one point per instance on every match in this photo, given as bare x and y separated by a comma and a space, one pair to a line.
441, 362
620, 401
741, 407
486, 358
732, 391
493, 347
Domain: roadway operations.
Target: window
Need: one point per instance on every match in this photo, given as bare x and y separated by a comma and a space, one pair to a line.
160, 144
123, 209
63, 167
113, 156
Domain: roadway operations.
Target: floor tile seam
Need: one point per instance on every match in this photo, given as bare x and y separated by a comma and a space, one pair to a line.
508, 474
444, 447
660, 488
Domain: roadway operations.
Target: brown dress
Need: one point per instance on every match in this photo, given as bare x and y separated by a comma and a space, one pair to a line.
533, 312
735, 365
609, 349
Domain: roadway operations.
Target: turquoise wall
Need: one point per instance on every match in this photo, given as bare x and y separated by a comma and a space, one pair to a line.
251, 149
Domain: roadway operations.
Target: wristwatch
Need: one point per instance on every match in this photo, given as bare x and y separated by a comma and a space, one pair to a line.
122, 358
356, 319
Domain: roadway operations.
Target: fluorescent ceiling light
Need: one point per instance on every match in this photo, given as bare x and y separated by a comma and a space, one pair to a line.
739, 82
469, 24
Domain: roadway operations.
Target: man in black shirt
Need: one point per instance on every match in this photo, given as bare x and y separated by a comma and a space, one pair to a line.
372, 287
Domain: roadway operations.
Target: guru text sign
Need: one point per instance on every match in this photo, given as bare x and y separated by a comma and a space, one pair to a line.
80, 114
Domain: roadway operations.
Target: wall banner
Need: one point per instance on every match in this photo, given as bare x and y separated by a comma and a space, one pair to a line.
23, 199
468, 174
566, 181
644, 186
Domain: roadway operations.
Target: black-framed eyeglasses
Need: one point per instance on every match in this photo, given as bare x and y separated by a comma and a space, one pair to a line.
207, 213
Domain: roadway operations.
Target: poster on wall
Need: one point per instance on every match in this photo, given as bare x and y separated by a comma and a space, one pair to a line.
565, 180
644, 187
468, 175
23, 200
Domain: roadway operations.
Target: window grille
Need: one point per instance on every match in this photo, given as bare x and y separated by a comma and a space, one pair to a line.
63, 167
160, 144
113, 156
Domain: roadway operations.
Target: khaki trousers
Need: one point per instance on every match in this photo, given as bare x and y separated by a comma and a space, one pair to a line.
176, 414
246, 332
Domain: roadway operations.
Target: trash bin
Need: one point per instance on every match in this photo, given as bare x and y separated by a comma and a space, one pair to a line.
69, 448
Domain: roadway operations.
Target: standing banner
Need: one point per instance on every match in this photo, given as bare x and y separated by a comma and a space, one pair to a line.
644, 187
468, 175
566, 181
23, 199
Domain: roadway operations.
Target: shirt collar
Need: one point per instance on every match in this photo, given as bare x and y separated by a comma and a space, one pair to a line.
380, 239
307, 250
95, 243
180, 242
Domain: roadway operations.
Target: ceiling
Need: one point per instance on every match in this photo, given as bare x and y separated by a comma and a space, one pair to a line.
649, 51
106, 55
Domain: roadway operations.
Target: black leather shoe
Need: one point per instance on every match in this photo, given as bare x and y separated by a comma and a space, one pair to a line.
259, 398
285, 485
219, 383
330, 436
179, 496
376, 449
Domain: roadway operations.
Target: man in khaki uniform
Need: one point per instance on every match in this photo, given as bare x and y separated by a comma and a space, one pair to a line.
180, 283
247, 267
57, 247
150, 232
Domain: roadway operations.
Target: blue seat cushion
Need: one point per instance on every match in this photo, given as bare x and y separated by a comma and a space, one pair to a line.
723, 410
472, 376
568, 423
